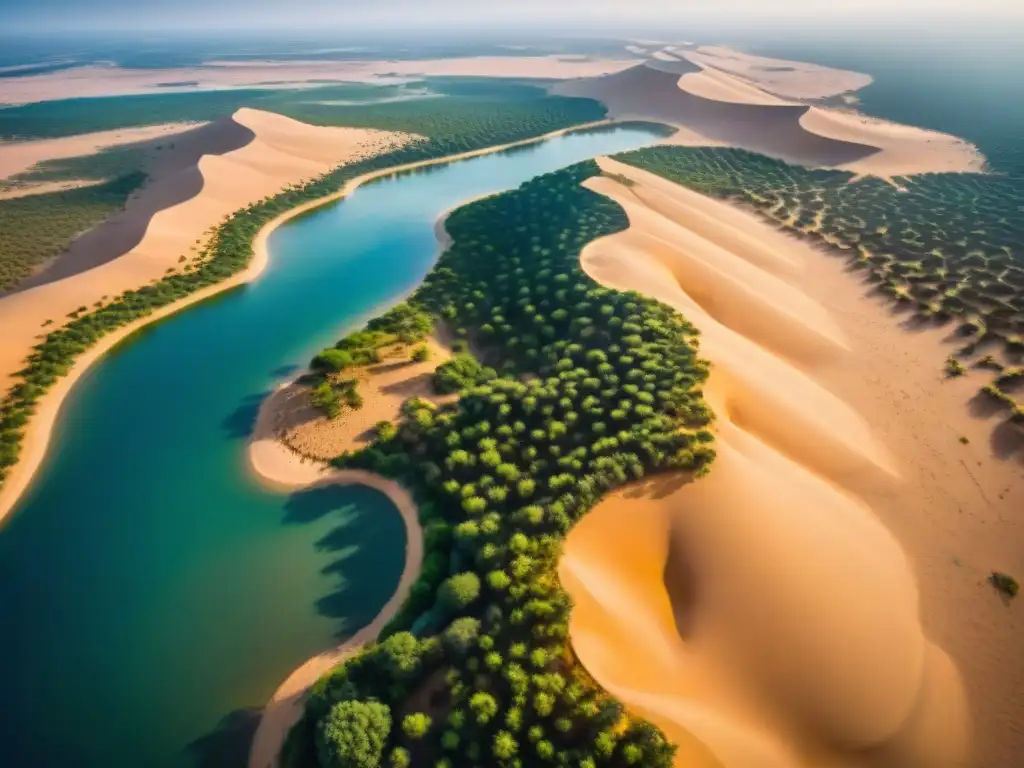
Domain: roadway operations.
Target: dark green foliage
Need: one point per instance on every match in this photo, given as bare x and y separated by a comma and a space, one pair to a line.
461, 635
35, 228
332, 360
597, 389
1004, 583
468, 116
458, 592
353, 735
460, 372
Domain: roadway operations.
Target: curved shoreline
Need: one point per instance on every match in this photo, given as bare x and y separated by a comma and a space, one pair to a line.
39, 432
277, 466
280, 468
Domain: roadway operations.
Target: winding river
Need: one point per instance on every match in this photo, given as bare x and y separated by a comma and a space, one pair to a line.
153, 595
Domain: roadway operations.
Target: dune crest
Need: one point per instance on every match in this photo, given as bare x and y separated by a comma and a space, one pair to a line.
763, 611
717, 96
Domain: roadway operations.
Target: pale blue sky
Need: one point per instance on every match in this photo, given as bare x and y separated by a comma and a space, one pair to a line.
357, 15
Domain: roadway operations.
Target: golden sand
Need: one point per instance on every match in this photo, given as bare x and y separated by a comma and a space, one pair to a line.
770, 611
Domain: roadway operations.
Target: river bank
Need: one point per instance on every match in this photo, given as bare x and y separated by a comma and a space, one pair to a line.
281, 469
38, 433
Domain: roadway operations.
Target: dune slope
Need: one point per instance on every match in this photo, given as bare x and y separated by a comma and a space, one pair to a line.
726, 100
237, 161
764, 610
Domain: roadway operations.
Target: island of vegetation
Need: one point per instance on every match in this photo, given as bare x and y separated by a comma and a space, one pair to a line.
596, 389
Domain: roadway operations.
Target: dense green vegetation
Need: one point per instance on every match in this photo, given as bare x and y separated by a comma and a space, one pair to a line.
596, 389
228, 252
35, 228
67, 117
948, 247
105, 165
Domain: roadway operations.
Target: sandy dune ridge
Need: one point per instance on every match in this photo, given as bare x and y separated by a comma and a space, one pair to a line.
111, 80
780, 623
722, 97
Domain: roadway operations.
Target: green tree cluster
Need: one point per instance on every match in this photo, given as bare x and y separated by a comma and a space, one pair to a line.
597, 388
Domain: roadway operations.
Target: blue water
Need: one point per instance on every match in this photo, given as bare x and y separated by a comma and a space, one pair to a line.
152, 594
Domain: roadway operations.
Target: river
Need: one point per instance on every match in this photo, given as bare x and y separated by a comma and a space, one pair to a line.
152, 594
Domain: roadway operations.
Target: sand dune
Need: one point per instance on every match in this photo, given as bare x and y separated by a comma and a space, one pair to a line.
110, 80
704, 95
259, 153
764, 611
788, 79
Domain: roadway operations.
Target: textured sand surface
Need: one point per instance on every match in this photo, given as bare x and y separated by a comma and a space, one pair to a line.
802, 605
729, 101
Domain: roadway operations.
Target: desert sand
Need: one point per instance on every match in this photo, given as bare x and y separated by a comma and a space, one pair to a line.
281, 469
774, 613
238, 160
111, 80
720, 97
277, 152
384, 387
782, 77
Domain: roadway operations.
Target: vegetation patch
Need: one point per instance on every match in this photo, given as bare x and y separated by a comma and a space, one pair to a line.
596, 389
1004, 583
36, 228
947, 246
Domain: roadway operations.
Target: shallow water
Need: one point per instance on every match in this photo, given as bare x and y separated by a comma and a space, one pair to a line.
152, 594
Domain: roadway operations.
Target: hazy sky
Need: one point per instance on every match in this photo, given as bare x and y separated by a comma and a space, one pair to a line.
488, 15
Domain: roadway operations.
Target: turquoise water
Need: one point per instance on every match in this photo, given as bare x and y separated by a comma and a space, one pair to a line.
152, 594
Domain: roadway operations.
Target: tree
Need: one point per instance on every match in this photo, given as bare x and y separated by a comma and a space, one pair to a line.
461, 635
505, 745
416, 725
353, 735
400, 758
420, 354
333, 360
484, 706
457, 592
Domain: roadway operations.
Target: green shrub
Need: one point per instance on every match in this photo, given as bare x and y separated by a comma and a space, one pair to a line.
459, 591
353, 735
1004, 583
